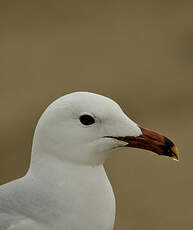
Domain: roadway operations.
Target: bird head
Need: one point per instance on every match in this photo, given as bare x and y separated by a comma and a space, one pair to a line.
84, 128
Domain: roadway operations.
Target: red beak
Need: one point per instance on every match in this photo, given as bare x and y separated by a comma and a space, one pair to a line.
152, 141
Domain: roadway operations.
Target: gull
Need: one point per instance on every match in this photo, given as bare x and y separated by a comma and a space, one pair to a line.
66, 187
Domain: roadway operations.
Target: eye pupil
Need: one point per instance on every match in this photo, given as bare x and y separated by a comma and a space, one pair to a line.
86, 119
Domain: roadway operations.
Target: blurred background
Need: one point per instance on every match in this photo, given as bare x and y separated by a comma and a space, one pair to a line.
139, 53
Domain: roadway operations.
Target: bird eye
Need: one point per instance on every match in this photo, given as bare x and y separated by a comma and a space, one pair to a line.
86, 119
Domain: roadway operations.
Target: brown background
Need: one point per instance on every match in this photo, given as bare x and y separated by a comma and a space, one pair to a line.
140, 53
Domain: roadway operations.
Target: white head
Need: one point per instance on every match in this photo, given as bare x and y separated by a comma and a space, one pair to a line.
83, 128
61, 130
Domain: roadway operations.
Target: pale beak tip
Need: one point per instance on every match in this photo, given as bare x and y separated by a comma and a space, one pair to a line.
175, 155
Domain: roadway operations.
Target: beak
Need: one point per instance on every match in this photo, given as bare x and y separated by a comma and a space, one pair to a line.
152, 141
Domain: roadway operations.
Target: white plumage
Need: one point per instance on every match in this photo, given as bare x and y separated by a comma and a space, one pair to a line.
66, 186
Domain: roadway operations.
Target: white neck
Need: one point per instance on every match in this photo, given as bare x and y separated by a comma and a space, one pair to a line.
43, 163
83, 190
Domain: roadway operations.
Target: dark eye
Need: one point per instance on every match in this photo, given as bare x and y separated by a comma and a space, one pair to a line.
87, 119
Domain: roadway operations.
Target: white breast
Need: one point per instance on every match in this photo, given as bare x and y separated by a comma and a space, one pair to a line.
83, 199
